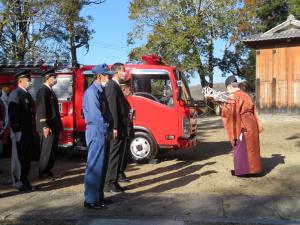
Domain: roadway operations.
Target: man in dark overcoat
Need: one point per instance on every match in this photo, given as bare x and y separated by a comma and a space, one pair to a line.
119, 108
49, 124
21, 112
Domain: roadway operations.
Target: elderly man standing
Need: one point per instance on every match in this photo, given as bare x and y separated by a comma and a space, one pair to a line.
97, 118
2, 119
119, 108
22, 121
49, 124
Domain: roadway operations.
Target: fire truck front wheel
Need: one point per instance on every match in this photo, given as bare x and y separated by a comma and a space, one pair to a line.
143, 147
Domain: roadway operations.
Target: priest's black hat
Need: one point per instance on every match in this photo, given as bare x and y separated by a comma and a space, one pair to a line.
229, 80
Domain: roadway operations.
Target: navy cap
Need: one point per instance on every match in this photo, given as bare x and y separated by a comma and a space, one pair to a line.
23, 74
103, 69
50, 72
229, 80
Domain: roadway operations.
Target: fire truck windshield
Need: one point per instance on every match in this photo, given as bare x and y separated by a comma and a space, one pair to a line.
154, 85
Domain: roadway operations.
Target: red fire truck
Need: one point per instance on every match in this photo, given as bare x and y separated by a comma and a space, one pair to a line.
165, 114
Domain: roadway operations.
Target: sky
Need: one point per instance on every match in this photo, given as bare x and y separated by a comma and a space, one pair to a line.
109, 43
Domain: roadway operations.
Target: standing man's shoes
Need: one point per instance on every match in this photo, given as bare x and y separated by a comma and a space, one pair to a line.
53, 176
123, 178
95, 205
117, 185
25, 188
114, 189
48, 176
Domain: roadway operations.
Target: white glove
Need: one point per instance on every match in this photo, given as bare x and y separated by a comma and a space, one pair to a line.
18, 136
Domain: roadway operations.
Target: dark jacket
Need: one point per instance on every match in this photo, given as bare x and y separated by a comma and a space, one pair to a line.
2, 110
48, 114
118, 106
21, 112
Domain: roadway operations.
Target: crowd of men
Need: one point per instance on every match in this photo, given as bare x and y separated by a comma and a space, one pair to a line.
30, 126
34, 129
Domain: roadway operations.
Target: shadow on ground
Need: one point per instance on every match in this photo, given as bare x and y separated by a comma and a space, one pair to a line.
152, 204
202, 151
295, 137
181, 176
271, 163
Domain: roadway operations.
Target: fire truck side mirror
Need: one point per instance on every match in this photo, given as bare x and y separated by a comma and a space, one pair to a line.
179, 92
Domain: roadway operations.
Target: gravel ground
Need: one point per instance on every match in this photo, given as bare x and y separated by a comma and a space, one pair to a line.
39, 222
203, 169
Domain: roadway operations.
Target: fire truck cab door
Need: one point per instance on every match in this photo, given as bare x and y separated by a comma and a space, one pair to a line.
153, 101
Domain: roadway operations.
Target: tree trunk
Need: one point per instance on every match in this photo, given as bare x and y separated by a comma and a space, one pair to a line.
72, 45
210, 49
201, 71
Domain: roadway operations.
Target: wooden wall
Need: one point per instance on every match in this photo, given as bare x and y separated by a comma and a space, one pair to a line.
278, 78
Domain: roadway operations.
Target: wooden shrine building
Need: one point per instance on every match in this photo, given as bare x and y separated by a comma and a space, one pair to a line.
278, 67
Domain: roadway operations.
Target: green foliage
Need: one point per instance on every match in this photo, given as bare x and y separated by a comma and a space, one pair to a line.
271, 13
22, 26
182, 32
241, 61
43, 29
294, 8
157, 87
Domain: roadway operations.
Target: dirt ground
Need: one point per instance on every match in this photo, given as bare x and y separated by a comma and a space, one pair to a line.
203, 169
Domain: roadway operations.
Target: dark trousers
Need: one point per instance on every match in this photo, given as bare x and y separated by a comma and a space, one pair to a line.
115, 154
20, 160
24, 156
49, 147
125, 156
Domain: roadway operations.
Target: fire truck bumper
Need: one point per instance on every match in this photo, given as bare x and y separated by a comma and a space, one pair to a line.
182, 143
66, 138
187, 143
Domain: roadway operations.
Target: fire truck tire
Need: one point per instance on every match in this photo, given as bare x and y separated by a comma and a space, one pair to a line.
143, 148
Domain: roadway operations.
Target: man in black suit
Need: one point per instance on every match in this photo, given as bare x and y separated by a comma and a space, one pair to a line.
119, 108
21, 112
49, 124
2, 115
2, 120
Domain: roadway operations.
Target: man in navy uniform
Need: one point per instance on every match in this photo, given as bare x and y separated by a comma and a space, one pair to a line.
97, 118
119, 108
49, 124
21, 112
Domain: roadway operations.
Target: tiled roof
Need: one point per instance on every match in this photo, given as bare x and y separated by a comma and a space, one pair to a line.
287, 30
292, 33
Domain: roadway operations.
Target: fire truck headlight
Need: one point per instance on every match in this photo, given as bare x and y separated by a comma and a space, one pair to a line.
185, 128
